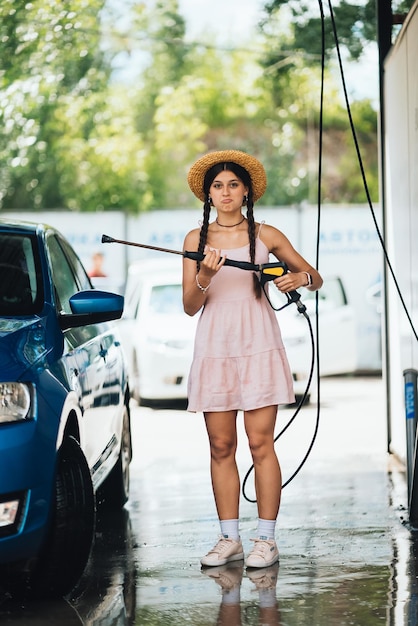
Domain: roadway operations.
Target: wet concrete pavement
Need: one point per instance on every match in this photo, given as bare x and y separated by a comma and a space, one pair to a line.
346, 557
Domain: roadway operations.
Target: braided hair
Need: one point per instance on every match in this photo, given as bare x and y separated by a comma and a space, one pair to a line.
244, 176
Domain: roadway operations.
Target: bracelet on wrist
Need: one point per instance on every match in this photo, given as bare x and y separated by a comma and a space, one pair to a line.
309, 277
204, 289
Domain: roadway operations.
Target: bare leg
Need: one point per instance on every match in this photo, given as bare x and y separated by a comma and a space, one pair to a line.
259, 426
222, 432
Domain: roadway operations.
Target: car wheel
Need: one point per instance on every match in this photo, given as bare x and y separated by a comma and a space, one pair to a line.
114, 492
67, 547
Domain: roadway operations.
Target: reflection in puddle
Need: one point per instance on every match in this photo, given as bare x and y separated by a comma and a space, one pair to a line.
353, 562
105, 596
337, 563
404, 568
106, 593
229, 578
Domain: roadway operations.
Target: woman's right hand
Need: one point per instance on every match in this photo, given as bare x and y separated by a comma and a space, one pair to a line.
195, 286
211, 263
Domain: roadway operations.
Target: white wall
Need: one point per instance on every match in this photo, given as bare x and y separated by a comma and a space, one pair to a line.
84, 232
401, 187
349, 248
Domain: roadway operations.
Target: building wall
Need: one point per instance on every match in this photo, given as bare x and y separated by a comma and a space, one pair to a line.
349, 248
401, 193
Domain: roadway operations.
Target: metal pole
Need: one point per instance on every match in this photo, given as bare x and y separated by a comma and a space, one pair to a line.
411, 408
384, 40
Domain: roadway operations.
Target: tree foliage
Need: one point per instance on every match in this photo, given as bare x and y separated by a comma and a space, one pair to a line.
68, 135
76, 133
50, 56
355, 24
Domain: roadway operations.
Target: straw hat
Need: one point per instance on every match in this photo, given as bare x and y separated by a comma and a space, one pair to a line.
254, 168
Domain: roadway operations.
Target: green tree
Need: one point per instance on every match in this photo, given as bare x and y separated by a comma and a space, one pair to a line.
77, 134
355, 25
291, 63
73, 135
163, 110
100, 160
50, 53
162, 30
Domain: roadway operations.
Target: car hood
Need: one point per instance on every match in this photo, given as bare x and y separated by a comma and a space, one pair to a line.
27, 344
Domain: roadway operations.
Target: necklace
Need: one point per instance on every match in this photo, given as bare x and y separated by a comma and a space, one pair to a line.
230, 225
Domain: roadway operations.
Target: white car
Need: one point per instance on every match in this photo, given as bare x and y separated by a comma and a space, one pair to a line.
158, 337
337, 332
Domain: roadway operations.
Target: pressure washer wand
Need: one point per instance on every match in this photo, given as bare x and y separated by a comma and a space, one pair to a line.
195, 256
268, 271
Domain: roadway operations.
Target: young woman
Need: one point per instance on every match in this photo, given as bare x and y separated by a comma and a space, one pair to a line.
239, 360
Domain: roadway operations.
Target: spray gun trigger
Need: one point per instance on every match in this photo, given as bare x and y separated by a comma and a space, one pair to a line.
274, 271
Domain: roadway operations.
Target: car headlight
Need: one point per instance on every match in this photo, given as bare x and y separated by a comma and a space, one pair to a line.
15, 402
8, 512
11, 509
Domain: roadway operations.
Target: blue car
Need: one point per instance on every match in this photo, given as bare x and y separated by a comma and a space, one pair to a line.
65, 436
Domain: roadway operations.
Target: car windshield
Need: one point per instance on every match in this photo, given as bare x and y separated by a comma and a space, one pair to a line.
166, 299
20, 282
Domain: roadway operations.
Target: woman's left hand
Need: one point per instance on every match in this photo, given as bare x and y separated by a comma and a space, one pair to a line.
291, 281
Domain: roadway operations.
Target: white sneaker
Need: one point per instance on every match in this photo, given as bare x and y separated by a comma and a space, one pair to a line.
225, 551
263, 554
265, 577
227, 576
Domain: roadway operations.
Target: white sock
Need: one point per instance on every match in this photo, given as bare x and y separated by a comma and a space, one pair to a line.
232, 596
267, 598
266, 528
229, 528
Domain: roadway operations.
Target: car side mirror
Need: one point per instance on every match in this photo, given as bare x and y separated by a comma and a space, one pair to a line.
92, 307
